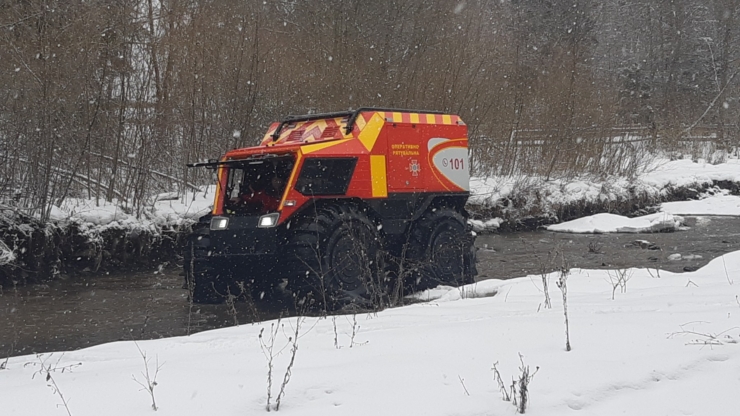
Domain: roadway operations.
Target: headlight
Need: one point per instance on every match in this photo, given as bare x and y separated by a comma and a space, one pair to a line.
219, 223
269, 220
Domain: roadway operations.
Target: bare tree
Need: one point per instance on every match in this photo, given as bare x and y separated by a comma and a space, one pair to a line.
110, 101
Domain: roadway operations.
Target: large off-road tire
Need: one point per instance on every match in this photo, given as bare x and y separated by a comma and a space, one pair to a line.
333, 257
204, 281
441, 250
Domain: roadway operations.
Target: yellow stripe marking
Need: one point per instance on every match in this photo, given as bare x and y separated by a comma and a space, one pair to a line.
377, 173
218, 190
369, 135
360, 121
397, 118
414, 118
291, 180
430, 119
446, 119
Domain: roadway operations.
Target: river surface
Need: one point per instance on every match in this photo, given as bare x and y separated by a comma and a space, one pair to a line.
79, 312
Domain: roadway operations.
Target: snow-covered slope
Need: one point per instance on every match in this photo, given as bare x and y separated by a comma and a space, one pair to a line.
611, 223
542, 196
166, 210
667, 344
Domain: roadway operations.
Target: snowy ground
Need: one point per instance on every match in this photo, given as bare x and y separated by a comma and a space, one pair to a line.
667, 344
611, 223
165, 210
726, 205
666, 220
661, 174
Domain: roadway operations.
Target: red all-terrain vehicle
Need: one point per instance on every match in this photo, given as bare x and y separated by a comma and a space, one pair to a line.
355, 206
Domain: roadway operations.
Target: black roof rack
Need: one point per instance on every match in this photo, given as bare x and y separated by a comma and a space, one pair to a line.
215, 163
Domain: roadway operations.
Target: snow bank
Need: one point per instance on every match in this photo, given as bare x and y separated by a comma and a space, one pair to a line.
110, 231
489, 190
666, 220
189, 207
662, 175
685, 172
166, 210
723, 204
668, 345
488, 225
611, 223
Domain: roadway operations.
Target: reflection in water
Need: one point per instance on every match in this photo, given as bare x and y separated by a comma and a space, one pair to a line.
81, 312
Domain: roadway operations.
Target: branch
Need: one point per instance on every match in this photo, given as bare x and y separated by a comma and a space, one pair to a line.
711, 105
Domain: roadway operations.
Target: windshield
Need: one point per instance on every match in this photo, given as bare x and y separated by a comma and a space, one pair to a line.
256, 186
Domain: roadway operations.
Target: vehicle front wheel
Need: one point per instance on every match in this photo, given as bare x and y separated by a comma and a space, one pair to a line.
335, 258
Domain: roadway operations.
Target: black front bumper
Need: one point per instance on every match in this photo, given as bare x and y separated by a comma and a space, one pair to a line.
242, 237
240, 253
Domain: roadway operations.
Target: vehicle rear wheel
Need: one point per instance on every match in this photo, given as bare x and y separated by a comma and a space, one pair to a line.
334, 257
442, 249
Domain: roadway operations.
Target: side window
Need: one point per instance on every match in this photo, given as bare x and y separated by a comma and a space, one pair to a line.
236, 177
329, 176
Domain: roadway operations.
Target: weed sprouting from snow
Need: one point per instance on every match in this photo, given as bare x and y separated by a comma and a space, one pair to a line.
336, 337
267, 344
657, 273
563, 286
501, 386
462, 381
545, 265
546, 289
730, 281
231, 303
518, 392
355, 330
618, 279
47, 369
4, 364
269, 353
293, 341
706, 338
523, 386
149, 380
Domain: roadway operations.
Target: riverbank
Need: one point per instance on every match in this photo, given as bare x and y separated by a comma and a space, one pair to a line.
508, 204
90, 237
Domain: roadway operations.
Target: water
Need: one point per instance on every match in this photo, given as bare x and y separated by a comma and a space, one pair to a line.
523, 253
85, 311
